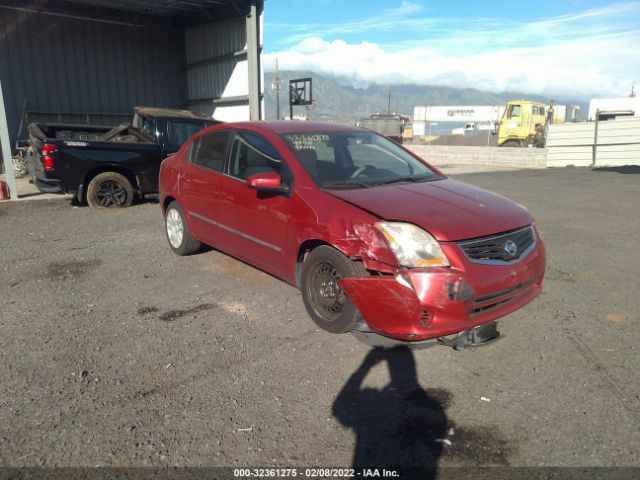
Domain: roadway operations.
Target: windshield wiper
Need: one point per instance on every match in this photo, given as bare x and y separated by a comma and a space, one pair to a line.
346, 183
407, 179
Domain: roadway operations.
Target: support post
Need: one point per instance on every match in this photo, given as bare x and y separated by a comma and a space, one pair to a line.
290, 104
276, 87
253, 58
6, 149
595, 141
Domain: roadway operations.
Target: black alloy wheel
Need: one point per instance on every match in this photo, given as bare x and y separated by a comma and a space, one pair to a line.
109, 190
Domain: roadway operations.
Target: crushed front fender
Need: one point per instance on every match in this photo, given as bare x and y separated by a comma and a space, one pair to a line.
419, 305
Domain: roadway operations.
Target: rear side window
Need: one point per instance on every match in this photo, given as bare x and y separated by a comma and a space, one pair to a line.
253, 154
209, 150
179, 131
150, 127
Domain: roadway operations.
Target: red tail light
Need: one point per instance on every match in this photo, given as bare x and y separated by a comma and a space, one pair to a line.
48, 149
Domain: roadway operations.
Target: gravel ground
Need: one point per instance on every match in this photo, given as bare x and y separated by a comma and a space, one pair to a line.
116, 352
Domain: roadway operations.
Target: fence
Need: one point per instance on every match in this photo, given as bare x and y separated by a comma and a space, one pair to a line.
611, 143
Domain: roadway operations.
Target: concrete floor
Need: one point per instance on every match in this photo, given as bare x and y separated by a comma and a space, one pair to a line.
28, 191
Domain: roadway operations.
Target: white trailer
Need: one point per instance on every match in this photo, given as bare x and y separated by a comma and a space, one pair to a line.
458, 113
477, 117
565, 113
482, 117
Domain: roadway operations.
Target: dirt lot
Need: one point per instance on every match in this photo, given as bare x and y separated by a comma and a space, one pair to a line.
116, 352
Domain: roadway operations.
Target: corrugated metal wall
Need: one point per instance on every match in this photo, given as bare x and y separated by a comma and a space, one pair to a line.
618, 143
217, 67
73, 65
570, 144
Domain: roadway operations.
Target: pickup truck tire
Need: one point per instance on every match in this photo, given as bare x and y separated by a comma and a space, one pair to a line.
180, 239
109, 190
326, 303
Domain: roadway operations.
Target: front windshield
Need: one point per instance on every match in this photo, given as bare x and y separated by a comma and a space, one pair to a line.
356, 159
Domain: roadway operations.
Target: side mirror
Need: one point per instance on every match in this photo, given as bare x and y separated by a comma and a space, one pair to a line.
269, 182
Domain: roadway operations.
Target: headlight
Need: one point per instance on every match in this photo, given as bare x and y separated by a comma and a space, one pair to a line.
413, 246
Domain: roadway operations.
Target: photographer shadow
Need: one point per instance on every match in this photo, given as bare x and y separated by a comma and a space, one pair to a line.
401, 426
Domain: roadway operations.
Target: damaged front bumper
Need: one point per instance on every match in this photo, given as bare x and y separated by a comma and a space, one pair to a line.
476, 337
423, 304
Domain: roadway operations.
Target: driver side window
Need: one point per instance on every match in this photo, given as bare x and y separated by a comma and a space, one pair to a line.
253, 154
514, 111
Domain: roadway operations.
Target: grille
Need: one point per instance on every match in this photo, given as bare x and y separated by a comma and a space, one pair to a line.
500, 249
491, 296
424, 318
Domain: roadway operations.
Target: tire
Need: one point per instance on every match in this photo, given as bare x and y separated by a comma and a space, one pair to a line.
20, 168
326, 303
178, 235
109, 190
512, 144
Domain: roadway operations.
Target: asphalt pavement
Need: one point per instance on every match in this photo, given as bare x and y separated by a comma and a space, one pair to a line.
116, 352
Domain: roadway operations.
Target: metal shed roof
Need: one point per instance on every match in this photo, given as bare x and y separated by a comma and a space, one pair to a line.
214, 9
181, 12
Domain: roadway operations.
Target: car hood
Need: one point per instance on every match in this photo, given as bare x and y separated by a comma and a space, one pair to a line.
448, 209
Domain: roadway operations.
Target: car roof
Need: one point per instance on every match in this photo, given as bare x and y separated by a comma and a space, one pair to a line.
295, 126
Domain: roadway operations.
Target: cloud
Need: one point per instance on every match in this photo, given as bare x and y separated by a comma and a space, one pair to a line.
386, 21
589, 53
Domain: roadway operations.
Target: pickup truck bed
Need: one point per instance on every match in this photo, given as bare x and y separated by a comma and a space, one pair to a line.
108, 166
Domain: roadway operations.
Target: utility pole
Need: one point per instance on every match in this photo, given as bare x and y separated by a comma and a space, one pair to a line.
276, 87
389, 102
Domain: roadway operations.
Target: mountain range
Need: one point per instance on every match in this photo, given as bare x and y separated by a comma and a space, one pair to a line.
336, 100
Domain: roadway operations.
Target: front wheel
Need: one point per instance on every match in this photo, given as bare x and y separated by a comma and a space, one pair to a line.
180, 239
512, 144
326, 303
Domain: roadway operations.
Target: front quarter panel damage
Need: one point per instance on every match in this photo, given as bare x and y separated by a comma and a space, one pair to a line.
363, 242
346, 228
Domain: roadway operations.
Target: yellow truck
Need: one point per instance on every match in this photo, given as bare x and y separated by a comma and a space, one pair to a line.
523, 124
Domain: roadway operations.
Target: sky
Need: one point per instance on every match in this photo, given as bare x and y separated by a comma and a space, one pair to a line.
577, 49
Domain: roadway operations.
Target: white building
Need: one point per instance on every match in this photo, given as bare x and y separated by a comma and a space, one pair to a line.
610, 108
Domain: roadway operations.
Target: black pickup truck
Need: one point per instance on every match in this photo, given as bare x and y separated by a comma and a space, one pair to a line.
107, 166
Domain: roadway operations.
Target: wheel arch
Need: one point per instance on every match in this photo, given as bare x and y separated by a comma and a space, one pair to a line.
165, 203
304, 249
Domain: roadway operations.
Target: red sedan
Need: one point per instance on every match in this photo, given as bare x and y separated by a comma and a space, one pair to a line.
379, 242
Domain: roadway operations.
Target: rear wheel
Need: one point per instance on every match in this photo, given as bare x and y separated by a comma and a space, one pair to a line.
180, 239
20, 167
109, 190
326, 303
